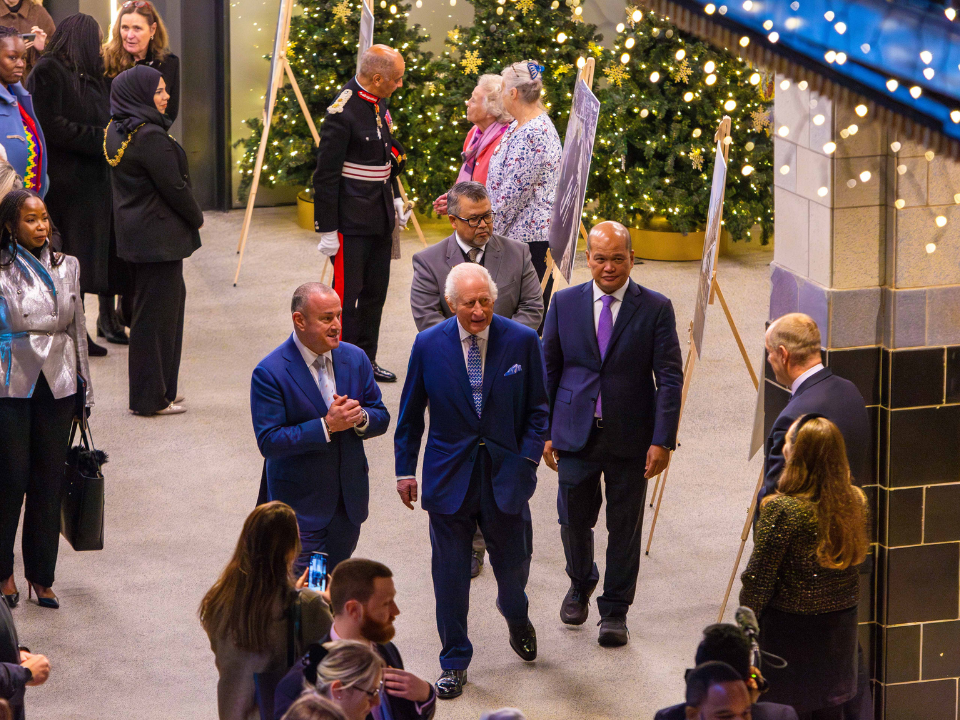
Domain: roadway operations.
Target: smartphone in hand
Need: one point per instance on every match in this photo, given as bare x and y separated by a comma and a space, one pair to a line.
317, 577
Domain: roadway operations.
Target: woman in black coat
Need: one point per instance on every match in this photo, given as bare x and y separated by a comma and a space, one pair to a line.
72, 102
157, 224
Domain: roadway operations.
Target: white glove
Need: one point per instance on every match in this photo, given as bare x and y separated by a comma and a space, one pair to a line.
402, 216
329, 243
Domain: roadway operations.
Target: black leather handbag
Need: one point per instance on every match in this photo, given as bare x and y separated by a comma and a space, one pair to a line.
82, 504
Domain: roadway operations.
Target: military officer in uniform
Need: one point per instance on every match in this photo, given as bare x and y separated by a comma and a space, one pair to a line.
357, 198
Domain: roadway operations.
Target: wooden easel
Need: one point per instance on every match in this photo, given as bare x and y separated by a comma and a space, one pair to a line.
279, 66
722, 136
586, 74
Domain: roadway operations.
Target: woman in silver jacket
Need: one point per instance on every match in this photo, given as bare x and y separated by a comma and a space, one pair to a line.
41, 321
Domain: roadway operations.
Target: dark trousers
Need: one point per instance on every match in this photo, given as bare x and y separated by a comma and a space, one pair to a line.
156, 334
538, 255
35, 432
338, 540
510, 544
361, 274
578, 505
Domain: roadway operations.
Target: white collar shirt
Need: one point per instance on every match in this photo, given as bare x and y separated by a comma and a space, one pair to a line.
803, 378
482, 338
614, 306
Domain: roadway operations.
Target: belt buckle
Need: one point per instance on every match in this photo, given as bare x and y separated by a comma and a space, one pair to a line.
598, 423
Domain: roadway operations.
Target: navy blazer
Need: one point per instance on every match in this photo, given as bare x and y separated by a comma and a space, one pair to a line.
644, 346
303, 469
514, 415
840, 402
758, 711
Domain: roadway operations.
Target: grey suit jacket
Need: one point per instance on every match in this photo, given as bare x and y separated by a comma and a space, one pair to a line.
508, 262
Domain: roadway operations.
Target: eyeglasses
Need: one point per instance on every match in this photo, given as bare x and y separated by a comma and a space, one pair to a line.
372, 694
137, 4
475, 221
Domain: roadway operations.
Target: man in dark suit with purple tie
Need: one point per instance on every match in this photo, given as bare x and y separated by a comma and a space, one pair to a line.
614, 376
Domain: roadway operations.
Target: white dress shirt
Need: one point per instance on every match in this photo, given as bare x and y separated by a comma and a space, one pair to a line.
481, 344
803, 378
310, 358
614, 306
467, 248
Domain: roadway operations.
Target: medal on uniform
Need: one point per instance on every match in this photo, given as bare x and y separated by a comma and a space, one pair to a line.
376, 110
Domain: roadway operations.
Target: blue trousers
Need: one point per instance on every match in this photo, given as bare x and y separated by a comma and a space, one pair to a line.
338, 540
510, 544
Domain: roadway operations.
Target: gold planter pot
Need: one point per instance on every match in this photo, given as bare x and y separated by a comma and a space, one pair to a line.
304, 210
670, 246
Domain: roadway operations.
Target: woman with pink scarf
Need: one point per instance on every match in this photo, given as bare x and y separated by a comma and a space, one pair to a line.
490, 121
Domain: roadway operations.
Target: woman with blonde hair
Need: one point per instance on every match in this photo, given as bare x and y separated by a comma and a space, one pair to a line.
259, 620
802, 579
490, 121
139, 37
525, 167
311, 706
351, 675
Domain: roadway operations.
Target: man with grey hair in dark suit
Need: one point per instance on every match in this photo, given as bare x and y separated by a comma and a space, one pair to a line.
508, 262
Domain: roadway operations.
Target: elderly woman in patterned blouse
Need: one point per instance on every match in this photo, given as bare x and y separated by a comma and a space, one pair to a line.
525, 168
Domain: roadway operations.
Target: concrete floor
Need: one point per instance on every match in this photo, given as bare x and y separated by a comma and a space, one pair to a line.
126, 642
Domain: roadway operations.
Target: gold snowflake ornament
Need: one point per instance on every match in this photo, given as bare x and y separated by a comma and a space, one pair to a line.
682, 72
342, 11
471, 62
616, 74
562, 69
696, 159
454, 36
525, 6
761, 120
429, 87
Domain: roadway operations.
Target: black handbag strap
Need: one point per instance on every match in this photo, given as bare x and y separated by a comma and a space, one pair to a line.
293, 630
86, 437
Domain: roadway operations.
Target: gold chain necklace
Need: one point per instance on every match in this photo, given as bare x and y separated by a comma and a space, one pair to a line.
123, 146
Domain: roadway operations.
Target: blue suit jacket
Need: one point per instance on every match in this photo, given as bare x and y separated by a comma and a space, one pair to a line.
513, 423
303, 469
840, 402
636, 412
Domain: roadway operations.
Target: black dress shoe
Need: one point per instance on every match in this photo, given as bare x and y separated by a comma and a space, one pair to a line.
450, 684
12, 600
112, 332
381, 375
94, 350
576, 605
523, 640
476, 563
613, 632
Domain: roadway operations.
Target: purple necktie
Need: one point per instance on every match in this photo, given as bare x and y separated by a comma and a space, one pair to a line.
604, 331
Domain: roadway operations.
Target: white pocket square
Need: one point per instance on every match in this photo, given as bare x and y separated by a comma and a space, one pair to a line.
512, 371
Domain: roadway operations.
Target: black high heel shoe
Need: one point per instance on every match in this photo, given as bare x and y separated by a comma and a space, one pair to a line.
52, 603
12, 599
94, 350
111, 331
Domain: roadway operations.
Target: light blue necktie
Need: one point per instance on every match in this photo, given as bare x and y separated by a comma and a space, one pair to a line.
475, 373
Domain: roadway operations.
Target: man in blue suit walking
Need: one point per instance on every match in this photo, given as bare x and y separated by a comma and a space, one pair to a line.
605, 344
314, 401
483, 378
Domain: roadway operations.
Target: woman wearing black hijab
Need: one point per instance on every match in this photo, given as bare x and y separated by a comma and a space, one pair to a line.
157, 221
72, 101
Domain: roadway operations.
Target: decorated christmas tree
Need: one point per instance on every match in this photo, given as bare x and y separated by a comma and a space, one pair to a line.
323, 55
549, 32
653, 158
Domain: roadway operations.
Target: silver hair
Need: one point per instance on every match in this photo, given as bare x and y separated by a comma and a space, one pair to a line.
375, 62
473, 191
492, 88
518, 76
459, 273
303, 292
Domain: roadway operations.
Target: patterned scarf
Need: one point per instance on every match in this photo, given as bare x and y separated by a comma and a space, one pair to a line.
32, 178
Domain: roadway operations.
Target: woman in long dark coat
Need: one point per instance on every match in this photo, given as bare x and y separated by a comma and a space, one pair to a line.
72, 102
157, 222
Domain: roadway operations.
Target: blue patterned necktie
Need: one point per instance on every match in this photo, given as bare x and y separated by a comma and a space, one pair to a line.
475, 373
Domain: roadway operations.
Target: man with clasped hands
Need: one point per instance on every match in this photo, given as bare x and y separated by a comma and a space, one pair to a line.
614, 377
482, 376
314, 402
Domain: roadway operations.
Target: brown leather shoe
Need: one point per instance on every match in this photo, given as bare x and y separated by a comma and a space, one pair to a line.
613, 632
576, 605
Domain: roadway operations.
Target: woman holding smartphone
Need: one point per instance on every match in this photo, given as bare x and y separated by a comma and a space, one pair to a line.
250, 611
